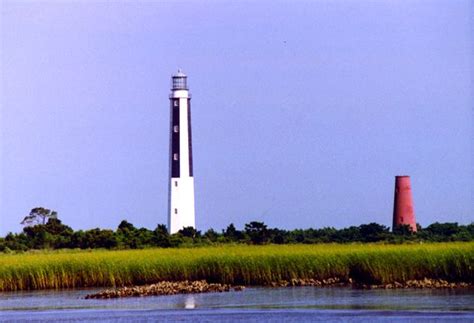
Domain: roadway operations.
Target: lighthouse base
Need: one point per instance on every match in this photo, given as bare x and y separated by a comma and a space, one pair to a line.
181, 204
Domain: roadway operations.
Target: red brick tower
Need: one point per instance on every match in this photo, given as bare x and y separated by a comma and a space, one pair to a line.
403, 211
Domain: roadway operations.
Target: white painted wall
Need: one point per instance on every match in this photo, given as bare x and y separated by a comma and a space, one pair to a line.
182, 200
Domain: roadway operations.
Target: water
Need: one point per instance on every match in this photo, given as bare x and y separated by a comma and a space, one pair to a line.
298, 304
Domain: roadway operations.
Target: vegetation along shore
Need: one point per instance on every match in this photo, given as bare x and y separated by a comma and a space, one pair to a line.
53, 234
358, 264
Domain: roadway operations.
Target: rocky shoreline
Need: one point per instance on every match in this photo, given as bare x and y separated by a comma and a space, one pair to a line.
201, 286
336, 282
425, 283
310, 282
165, 288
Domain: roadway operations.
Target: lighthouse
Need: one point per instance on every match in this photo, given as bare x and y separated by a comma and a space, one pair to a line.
403, 211
181, 180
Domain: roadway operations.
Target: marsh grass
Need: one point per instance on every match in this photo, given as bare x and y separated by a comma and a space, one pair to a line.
238, 264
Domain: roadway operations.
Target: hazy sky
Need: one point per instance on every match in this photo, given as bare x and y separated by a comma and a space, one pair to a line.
302, 111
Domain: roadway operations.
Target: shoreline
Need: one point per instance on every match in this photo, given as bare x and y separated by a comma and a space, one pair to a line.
165, 288
427, 283
202, 286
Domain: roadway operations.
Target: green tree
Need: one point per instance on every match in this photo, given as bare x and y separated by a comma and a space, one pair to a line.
39, 215
161, 236
126, 226
443, 229
78, 240
127, 235
257, 232
143, 238
55, 227
97, 238
374, 232
211, 235
349, 234
232, 234
403, 230
278, 236
53, 234
190, 232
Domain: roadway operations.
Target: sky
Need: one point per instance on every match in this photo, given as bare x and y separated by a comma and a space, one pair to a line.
302, 111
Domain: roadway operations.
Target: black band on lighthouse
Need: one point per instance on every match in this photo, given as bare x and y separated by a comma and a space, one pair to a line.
175, 138
190, 141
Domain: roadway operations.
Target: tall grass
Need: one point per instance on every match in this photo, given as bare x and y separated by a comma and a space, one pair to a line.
248, 265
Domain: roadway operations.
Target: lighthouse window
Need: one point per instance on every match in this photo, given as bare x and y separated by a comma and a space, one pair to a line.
175, 128
176, 183
175, 211
175, 156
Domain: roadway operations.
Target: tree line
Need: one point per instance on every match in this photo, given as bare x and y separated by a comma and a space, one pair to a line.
44, 230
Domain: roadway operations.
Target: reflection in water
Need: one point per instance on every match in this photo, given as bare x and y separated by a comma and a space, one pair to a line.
189, 302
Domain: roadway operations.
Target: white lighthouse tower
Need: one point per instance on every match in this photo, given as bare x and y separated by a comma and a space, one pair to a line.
181, 192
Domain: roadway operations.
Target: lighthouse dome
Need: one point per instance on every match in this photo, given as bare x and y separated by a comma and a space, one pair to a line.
179, 73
